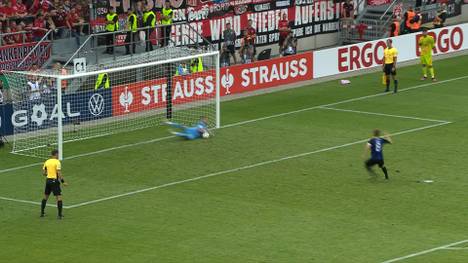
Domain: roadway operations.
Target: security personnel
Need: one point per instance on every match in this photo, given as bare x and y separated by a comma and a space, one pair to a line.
166, 21
132, 33
409, 15
112, 25
417, 21
102, 81
52, 171
196, 65
395, 27
149, 20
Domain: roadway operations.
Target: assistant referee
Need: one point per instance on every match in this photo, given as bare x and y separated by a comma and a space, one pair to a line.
52, 170
389, 65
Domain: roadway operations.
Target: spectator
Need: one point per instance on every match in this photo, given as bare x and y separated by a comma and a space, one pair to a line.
3, 13
39, 27
166, 21
132, 32
19, 9
8, 9
112, 25
250, 38
439, 20
73, 22
225, 56
246, 51
229, 37
19, 37
289, 45
59, 18
395, 27
416, 22
407, 19
347, 15
149, 20
284, 30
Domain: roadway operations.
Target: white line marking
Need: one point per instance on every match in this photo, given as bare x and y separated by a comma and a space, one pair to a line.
455, 248
426, 251
242, 122
25, 201
247, 167
383, 114
342, 102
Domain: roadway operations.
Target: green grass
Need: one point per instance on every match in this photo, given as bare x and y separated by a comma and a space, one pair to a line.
320, 207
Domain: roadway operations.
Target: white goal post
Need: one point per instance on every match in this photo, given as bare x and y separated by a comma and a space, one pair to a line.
131, 93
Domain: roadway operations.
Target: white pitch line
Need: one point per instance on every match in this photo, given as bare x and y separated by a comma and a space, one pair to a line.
384, 114
247, 167
426, 251
342, 102
455, 248
24, 201
244, 122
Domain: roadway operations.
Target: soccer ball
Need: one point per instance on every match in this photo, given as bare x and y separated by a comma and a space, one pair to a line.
205, 135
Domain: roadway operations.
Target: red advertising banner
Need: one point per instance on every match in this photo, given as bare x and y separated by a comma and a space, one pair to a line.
139, 96
266, 74
378, 2
12, 55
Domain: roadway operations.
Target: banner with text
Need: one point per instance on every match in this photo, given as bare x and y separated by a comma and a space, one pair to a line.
208, 18
370, 54
12, 55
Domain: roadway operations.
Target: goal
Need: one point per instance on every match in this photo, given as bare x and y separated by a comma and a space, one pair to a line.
51, 109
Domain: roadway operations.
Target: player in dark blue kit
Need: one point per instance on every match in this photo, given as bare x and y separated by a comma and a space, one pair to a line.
375, 146
200, 130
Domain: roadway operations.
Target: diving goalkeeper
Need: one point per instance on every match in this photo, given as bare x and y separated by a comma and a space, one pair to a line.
426, 43
200, 130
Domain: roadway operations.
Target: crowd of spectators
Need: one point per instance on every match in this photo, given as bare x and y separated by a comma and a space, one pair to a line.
29, 20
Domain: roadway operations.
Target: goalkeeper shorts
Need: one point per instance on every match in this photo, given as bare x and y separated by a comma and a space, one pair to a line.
426, 60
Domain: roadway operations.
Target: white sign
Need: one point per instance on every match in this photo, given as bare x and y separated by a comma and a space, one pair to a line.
79, 65
365, 55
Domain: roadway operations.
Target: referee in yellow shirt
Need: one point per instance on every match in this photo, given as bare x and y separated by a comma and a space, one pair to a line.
52, 170
389, 65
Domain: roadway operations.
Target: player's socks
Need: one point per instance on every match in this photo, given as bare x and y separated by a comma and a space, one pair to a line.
387, 85
43, 205
431, 70
395, 82
60, 207
424, 71
384, 169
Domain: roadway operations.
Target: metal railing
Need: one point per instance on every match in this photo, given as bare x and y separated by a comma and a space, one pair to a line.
90, 46
23, 37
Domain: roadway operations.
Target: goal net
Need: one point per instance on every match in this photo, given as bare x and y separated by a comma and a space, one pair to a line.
179, 84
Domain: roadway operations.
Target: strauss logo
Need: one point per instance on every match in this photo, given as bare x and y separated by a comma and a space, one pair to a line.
126, 99
227, 81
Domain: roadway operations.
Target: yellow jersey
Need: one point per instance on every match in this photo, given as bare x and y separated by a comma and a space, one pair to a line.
52, 166
389, 55
426, 43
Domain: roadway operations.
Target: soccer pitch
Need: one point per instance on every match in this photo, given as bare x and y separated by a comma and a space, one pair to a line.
282, 181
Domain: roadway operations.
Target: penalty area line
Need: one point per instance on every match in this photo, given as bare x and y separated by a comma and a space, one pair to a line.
247, 167
447, 246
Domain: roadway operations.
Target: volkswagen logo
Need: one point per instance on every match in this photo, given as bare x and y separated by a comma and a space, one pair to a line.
96, 104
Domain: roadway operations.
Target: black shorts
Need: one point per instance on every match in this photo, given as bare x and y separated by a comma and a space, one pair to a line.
231, 49
52, 186
372, 162
388, 69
